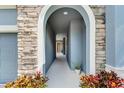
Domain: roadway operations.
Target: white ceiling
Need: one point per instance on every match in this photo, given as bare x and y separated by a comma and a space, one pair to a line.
60, 22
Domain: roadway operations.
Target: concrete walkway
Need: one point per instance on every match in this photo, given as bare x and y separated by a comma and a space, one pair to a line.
60, 75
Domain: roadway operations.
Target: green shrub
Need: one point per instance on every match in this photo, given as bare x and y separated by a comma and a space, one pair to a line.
78, 67
102, 80
35, 81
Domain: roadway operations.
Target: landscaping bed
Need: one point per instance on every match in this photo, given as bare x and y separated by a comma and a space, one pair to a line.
103, 79
25, 81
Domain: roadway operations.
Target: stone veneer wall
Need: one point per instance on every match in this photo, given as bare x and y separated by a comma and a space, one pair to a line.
27, 37
99, 12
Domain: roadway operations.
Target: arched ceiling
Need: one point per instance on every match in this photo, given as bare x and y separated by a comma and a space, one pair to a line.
60, 19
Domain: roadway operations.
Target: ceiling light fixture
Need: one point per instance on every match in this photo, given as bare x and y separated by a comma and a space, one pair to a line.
65, 13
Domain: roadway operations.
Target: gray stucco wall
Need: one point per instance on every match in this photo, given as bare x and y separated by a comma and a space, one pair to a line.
50, 47
84, 46
68, 48
115, 35
77, 44
110, 35
8, 17
119, 35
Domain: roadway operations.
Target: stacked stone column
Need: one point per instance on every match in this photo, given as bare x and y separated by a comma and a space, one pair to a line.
27, 21
99, 12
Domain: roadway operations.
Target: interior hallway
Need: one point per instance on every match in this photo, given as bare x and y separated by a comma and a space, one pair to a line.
60, 75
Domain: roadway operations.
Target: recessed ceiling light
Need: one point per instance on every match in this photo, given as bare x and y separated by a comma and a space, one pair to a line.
65, 13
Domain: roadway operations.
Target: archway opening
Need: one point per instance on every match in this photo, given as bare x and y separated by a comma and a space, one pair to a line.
65, 38
89, 20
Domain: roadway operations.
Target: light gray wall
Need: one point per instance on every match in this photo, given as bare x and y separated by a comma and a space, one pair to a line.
115, 35
8, 16
60, 36
110, 35
50, 47
68, 48
84, 46
77, 44
119, 35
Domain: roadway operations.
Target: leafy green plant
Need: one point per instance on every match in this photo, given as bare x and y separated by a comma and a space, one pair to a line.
78, 67
103, 79
35, 81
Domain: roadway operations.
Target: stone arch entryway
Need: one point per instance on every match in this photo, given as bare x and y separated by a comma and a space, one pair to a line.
89, 20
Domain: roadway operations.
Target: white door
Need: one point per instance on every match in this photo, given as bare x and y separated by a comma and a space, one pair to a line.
8, 57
